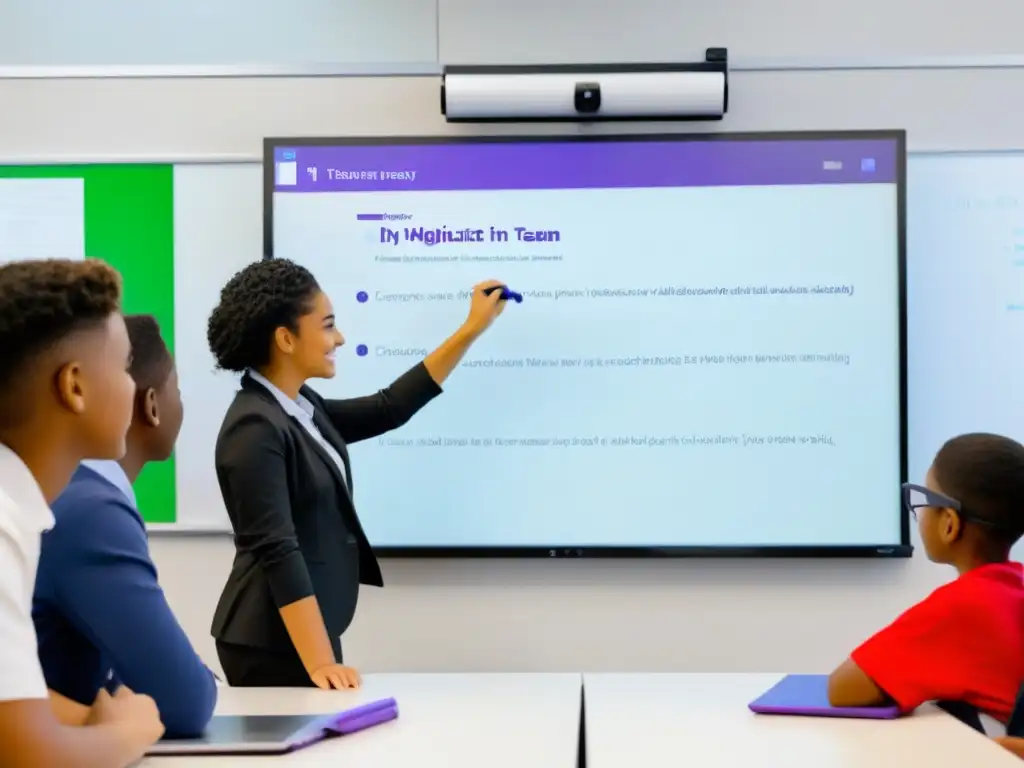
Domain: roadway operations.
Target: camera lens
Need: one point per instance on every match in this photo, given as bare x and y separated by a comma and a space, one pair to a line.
587, 98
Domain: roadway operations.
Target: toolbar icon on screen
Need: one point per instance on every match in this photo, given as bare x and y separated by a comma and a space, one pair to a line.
311, 172
287, 174
867, 165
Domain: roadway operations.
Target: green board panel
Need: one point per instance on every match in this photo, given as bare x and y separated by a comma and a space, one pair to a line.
129, 223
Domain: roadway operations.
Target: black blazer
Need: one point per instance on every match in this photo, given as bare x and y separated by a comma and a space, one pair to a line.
296, 529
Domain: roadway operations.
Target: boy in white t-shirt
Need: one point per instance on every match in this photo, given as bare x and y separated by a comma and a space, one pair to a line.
65, 395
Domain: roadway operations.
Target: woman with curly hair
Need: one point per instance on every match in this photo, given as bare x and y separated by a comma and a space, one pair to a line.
284, 473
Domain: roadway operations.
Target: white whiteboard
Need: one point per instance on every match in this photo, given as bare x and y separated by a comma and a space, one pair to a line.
41, 219
218, 229
966, 299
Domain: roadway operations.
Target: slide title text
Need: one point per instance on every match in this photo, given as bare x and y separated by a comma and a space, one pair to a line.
438, 235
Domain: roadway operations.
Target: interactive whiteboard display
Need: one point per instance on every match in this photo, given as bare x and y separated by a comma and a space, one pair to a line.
709, 357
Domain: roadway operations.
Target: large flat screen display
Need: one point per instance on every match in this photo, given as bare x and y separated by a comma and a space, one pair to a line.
709, 358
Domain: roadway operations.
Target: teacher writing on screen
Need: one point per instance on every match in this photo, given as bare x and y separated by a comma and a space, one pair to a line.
284, 473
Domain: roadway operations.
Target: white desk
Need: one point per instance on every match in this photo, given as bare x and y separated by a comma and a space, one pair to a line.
447, 721
648, 721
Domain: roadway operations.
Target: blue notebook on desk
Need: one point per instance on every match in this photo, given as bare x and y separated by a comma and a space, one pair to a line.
807, 695
276, 734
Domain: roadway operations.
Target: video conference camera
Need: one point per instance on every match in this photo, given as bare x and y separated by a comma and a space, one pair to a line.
588, 92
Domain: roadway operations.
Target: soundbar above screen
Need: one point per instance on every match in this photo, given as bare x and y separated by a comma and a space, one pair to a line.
708, 360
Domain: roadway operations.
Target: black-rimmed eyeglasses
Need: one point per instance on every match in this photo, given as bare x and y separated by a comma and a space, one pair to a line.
917, 497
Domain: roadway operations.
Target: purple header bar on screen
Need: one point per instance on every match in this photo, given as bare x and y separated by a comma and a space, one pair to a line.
578, 165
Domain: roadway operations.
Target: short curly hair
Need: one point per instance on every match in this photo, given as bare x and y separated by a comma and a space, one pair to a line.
985, 473
43, 302
266, 295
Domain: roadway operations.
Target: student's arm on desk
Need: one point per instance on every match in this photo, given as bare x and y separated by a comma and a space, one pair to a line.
31, 736
68, 712
109, 592
849, 686
252, 459
902, 664
1013, 744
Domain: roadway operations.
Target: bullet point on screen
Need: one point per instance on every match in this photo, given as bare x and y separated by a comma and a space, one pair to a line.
362, 297
361, 350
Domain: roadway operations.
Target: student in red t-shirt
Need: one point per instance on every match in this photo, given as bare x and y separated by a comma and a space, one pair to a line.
965, 641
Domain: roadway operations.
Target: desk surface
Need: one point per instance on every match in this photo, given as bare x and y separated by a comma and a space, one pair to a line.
648, 721
449, 721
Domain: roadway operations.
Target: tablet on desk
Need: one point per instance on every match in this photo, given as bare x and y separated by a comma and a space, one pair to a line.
275, 734
807, 695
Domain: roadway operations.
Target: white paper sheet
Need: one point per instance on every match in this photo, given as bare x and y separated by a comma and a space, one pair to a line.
42, 219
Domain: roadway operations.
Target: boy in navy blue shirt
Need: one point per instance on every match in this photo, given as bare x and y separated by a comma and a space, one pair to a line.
100, 614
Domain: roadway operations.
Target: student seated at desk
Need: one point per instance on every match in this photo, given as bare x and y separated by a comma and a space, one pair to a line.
964, 642
99, 611
65, 395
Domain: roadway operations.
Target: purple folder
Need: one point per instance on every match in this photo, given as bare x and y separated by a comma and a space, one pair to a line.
362, 717
807, 695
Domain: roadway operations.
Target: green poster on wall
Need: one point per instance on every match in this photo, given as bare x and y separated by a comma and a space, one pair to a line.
128, 216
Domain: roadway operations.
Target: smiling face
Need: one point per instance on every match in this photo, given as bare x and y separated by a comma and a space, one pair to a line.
318, 338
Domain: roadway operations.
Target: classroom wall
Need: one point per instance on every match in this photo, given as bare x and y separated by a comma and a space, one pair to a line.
197, 33
949, 79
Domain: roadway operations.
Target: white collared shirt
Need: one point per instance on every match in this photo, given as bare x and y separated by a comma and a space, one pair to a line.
302, 411
24, 516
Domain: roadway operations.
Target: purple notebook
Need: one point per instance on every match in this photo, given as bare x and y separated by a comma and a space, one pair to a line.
276, 734
807, 695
